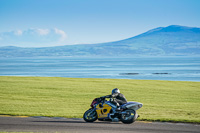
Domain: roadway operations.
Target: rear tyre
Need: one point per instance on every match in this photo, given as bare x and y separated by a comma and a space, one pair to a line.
129, 117
90, 115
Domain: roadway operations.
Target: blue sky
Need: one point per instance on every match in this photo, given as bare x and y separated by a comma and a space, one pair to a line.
43, 23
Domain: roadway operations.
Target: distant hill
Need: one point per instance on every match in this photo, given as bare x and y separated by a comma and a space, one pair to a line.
173, 40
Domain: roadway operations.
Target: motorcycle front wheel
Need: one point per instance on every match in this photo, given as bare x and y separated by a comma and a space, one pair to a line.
129, 117
90, 115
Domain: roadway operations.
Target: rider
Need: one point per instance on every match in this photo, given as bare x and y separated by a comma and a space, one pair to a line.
118, 98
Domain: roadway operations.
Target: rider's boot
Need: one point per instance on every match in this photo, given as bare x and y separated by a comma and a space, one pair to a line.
118, 107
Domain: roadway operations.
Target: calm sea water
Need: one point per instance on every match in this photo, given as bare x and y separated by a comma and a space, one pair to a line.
156, 68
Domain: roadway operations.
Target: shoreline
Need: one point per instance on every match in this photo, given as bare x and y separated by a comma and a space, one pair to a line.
95, 78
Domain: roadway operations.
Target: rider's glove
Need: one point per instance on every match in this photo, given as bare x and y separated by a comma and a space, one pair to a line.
111, 99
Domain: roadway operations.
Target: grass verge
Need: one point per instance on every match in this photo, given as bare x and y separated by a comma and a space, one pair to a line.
174, 101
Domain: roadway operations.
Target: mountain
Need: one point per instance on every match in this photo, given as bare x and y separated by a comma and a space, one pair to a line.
173, 40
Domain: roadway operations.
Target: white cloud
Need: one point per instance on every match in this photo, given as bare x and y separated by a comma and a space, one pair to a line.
62, 33
18, 32
33, 37
43, 31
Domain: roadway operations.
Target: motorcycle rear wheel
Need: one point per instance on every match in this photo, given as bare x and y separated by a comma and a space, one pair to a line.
90, 115
129, 117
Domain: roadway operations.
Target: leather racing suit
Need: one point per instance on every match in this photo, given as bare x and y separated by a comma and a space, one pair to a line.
118, 99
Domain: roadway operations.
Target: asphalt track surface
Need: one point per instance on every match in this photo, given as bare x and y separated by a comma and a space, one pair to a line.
47, 124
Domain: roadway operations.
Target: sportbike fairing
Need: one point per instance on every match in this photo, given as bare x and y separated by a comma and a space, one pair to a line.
103, 110
132, 105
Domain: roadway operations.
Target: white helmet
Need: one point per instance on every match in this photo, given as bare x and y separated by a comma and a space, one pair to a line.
115, 91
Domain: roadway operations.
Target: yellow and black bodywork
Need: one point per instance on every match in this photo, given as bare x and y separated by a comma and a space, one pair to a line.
103, 110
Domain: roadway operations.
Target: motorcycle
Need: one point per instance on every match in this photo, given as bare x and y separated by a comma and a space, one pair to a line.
104, 110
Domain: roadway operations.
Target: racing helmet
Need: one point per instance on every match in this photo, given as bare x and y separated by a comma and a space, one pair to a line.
115, 91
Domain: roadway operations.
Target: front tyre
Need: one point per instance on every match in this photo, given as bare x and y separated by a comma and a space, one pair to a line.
90, 115
129, 117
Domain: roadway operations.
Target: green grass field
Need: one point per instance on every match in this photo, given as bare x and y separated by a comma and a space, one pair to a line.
176, 101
